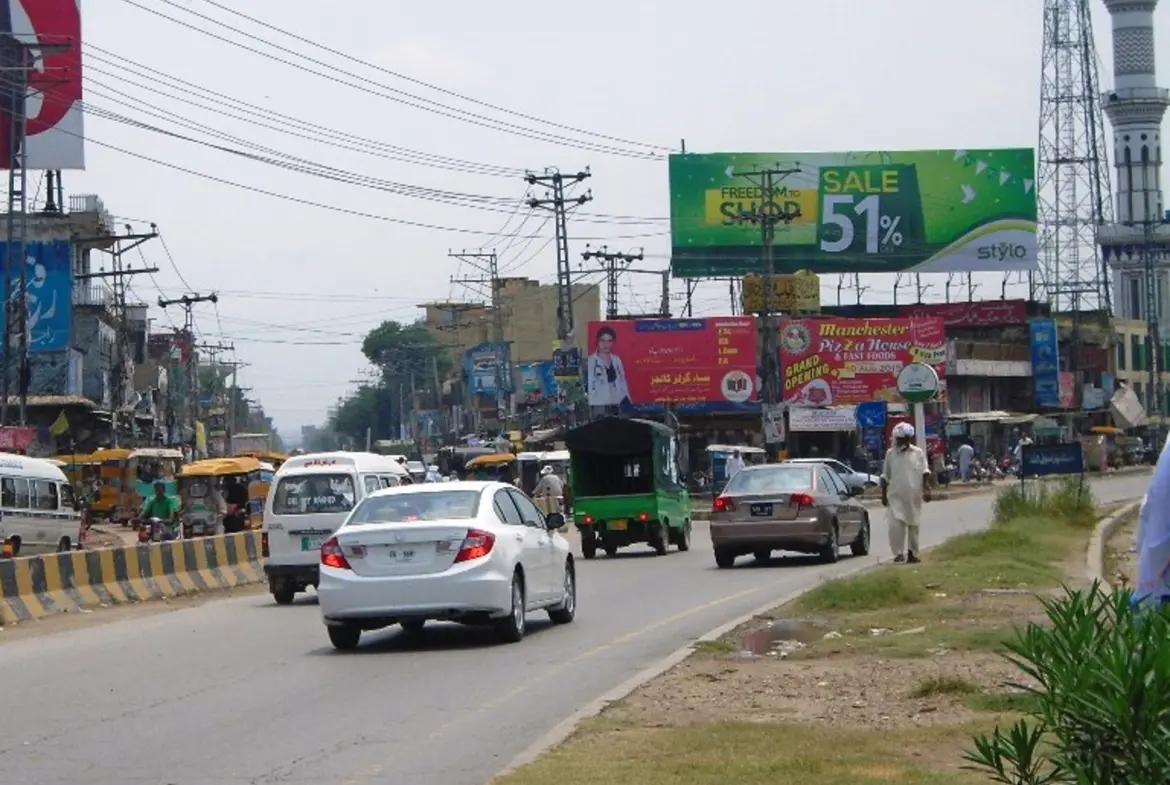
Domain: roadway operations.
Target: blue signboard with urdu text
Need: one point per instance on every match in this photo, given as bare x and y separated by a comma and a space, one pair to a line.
1045, 363
48, 279
1047, 460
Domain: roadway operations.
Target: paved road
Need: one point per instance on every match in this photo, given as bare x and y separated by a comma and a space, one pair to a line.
240, 691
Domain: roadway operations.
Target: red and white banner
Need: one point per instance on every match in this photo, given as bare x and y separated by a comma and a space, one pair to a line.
14, 439
49, 34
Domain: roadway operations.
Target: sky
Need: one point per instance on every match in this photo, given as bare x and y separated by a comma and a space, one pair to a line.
300, 284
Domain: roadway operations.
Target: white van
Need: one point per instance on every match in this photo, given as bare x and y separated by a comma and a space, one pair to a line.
38, 513
310, 498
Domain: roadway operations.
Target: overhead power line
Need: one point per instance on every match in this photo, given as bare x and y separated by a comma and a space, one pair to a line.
419, 82
153, 77
320, 205
390, 93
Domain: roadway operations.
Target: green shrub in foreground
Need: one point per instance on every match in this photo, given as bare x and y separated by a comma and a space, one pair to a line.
1068, 499
1101, 686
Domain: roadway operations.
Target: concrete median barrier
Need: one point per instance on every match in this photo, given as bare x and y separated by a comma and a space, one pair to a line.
34, 587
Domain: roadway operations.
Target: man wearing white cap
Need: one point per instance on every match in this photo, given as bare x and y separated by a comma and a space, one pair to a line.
905, 486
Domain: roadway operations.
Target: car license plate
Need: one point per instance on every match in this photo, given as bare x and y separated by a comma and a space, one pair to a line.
401, 555
617, 526
312, 542
761, 510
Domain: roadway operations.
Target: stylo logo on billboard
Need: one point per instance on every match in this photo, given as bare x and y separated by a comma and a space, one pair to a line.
1001, 252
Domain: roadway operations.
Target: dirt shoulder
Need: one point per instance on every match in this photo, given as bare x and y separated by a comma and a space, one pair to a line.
882, 677
1121, 554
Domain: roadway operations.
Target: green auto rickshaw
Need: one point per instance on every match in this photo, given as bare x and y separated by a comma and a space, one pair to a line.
626, 486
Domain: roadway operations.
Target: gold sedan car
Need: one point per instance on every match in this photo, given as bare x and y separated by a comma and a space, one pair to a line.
806, 508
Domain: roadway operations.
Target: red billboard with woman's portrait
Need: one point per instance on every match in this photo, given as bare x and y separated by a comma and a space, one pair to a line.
644, 362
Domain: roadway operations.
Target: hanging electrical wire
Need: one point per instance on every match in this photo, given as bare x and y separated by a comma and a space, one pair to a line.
390, 93
419, 82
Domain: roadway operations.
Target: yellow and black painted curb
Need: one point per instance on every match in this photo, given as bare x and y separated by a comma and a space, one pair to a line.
34, 587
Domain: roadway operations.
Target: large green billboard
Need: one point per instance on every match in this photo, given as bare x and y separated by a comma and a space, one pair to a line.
930, 211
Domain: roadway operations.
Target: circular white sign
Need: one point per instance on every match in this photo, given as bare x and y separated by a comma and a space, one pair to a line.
737, 387
918, 383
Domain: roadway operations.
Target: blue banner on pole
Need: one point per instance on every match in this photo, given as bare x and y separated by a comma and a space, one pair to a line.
1048, 460
871, 414
1045, 363
48, 278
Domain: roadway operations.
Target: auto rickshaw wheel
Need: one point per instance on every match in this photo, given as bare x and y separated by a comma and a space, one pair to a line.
683, 540
588, 545
284, 594
660, 540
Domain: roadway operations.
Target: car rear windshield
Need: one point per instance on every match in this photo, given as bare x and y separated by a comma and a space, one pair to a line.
311, 494
778, 479
416, 506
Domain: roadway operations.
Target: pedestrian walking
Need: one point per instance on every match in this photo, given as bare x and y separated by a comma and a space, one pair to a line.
906, 485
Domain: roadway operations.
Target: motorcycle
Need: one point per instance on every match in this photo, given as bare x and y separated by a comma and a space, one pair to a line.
158, 530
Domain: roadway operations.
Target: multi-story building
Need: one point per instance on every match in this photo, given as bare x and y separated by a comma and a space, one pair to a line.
1132, 362
529, 319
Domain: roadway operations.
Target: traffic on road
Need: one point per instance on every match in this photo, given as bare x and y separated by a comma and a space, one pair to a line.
243, 690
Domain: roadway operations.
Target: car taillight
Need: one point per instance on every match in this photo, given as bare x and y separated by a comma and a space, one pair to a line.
723, 504
801, 500
264, 545
643, 517
476, 545
332, 555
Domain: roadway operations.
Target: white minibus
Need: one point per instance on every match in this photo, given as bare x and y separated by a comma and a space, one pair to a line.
38, 513
311, 496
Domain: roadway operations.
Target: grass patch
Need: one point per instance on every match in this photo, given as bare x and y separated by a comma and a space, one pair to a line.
940, 686
870, 590
1003, 702
719, 647
755, 754
1034, 530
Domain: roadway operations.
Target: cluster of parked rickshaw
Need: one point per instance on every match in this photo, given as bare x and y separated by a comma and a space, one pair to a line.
116, 482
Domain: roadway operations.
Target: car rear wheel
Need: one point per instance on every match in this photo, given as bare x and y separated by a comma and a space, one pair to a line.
860, 546
64, 546
762, 556
831, 551
414, 626
724, 559
567, 610
345, 637
512, 627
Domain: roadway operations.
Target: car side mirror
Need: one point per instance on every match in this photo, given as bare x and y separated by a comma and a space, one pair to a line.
857, 490
554, 520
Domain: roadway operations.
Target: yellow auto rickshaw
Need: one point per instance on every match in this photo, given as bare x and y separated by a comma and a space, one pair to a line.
498, 467
113, 474
202, 493
145, 467
275, 459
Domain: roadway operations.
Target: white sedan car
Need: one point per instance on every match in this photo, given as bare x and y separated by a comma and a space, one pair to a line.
470, 552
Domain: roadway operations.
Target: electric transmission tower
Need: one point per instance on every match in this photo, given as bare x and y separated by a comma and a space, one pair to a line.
1072, 185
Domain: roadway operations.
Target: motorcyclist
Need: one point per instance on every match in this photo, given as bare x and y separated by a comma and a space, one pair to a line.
161, 507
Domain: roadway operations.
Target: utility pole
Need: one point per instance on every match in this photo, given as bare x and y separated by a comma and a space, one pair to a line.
557, 202
769, 215
614, 264
18, 59
187, 302
118, 273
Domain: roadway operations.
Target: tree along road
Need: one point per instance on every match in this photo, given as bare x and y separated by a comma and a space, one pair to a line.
241, 691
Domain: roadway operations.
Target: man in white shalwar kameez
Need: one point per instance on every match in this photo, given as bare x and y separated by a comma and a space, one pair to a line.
905, 486
1153, 537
